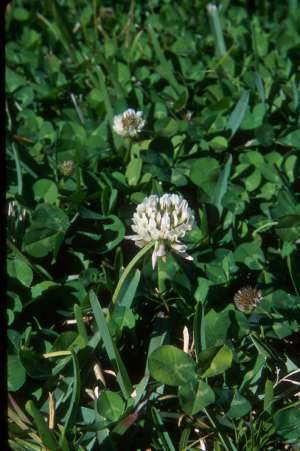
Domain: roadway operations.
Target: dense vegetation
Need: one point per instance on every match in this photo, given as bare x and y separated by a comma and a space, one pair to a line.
105, 352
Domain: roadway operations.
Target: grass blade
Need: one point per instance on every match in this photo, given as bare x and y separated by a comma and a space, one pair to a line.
46, 435
159, 336
109, 345
165, 64
222, 185
70, 417
18, 170
215, 25
294, 272
238, 113
161, 430
128, 269
128, 290
80, 324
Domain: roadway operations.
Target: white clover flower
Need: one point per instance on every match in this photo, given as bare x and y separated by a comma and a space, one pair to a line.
164, 220
129, 124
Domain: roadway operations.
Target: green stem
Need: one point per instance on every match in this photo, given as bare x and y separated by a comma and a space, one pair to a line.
129, 268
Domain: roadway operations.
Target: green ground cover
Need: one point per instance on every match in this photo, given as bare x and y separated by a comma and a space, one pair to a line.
105, 352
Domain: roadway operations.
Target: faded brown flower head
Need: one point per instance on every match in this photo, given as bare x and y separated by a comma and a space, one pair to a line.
67, 167
247, 298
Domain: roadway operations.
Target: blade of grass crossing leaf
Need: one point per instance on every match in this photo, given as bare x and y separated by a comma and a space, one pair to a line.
294, 272
93, 344
216, 29
24, 445
80, 324
70, 417
254, 45
107, 102
202, 330
108, 105
184, 439
268, 399
103, 434
238, 113
161, 430
166, 65
223, 437
46, 435
60, 22
160, 335
128, 269
111, 70
260, 87
18, 170
222, 185
56, 32
199, 328
296, 97
17, 410
63, 441
129, 288
109, 345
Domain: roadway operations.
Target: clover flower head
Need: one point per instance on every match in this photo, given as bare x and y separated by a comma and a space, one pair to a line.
247, 298
129, 124
67, 167
164, 220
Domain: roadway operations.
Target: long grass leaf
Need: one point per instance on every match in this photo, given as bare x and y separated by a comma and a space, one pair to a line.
161, 430
216, 29
128, 269
238, 113
18, 170
46, 435
165, 64
222, 184
70, 417
160, 335
293, 268
128, 290
80, 324
109, 345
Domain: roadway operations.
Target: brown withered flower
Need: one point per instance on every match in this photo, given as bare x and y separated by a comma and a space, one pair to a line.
247, 298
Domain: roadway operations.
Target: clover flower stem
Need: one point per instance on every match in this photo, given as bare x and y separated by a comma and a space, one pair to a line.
129, 268
159, 279
127, 153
